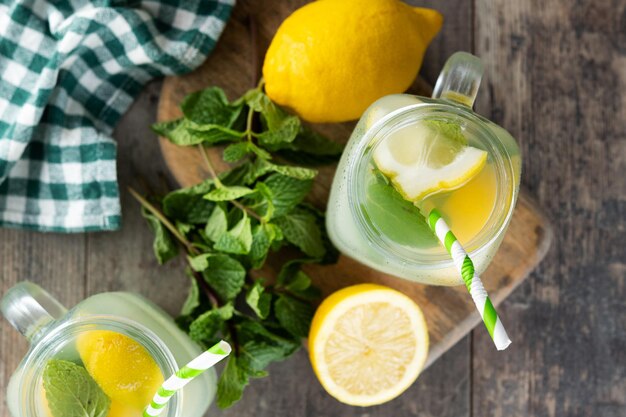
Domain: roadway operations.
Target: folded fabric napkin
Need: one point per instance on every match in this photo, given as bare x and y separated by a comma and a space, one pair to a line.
69, 70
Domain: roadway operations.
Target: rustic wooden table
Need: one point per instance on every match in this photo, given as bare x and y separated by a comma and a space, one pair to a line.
556, 76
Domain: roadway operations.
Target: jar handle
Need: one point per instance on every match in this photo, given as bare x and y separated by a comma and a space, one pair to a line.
29, 308
459, 79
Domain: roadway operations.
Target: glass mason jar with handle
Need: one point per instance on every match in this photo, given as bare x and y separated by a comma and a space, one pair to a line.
53, 333
370, 221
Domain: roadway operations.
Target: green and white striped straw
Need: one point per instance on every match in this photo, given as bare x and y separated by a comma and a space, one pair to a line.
185, 375
474, 285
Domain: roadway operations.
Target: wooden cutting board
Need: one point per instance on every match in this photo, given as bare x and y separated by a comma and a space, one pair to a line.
449, 311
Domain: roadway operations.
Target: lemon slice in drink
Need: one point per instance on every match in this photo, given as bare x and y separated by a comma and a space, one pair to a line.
428, 157
367, 344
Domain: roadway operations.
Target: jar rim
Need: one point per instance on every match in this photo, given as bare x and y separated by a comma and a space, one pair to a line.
498, 219
52, 342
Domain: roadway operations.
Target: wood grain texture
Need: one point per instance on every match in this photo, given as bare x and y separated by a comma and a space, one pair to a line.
449, 312
556, 79
57, 263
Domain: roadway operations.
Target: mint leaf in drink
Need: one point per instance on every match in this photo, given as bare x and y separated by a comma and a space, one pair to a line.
188, 205
294, 315
204, 329
228, 193
164, 246
226, 275
217, 224
395, 217
72, 392
450, 130
287, 192
301, 229
210, 107
237, 240
259, 300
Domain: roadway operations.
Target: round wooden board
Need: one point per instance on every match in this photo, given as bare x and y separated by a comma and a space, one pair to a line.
233, 66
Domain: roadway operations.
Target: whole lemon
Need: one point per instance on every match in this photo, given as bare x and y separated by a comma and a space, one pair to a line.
331, 59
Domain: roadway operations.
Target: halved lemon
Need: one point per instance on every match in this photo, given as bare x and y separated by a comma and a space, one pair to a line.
367, 344
428, 157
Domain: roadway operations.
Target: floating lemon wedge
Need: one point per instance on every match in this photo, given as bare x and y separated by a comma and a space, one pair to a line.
428, 157
367, 344
122, 367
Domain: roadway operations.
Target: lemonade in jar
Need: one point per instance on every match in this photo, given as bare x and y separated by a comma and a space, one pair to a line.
106, 357
410, 154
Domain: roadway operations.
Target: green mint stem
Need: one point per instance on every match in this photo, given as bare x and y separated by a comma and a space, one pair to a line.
209, 166
157, 213
219, 184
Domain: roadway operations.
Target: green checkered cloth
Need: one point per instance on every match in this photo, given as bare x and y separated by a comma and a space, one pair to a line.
69, 70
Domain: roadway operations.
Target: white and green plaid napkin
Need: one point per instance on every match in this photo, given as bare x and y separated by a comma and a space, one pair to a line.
69, 70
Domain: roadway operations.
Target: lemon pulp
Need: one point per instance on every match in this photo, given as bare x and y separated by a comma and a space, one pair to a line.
123, 368
360, 358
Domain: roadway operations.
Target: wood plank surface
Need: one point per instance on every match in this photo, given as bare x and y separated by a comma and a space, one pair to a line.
557, 77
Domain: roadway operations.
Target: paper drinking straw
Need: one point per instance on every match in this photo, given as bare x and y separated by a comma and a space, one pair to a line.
473, 283
185, 375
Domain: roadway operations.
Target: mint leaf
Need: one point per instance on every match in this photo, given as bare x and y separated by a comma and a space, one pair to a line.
72, 392
217, 224
204, 329
188, 205
262, 237
228, 193
210, 107
294, 315
281, 127
226, 275
284, 132
395, 217
231, 383
176, 132
298, 173
259, 300
193, 299
199, 263
296, 281
183, 132
301, 229
259, 347
287, 192
237, 240
210, 134
450, 130
164, 246
311, 148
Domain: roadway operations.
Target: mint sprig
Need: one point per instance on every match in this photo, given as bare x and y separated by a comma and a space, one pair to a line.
228, 225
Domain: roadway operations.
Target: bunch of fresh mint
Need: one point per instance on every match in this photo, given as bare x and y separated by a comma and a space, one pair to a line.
229, 223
